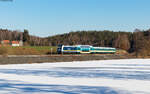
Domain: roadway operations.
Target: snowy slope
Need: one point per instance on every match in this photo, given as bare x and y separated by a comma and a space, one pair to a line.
130, 76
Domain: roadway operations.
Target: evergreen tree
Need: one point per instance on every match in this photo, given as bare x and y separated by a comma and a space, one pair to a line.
26, 37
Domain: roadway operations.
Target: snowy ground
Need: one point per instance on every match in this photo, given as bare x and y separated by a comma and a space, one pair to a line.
86, 77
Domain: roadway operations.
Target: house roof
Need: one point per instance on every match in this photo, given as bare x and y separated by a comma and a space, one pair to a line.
6, 41
15, 42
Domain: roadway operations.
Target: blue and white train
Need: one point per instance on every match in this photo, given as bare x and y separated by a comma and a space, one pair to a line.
85, 49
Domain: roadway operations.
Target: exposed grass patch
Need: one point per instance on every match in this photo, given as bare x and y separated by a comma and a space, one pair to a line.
3, 51
120, 51
31, 50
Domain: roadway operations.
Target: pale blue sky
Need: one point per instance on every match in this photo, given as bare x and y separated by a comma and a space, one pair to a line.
50, 17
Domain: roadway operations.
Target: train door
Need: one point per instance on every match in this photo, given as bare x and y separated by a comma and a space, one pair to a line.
85, 49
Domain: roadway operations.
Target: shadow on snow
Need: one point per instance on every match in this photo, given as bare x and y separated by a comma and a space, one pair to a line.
17, 88
84, 73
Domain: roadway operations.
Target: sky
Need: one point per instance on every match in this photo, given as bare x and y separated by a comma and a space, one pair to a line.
50, 17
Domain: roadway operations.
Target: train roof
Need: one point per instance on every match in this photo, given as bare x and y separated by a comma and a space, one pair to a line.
89, 46
76, 45
104, 47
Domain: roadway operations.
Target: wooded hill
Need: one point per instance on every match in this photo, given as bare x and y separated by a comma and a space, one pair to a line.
137, 42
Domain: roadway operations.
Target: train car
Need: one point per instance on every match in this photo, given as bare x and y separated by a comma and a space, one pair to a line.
70, 49
103, 50
85, 49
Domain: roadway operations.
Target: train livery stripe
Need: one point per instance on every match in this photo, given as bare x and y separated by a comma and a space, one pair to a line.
102, 51
89, 51
71, 50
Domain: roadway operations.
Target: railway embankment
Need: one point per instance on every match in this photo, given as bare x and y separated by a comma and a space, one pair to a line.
26, 59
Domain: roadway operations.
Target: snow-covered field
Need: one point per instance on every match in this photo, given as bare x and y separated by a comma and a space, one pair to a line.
86, 77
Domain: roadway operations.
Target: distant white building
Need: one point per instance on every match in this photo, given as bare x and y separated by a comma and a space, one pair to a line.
5, 43
17, 43
11, 43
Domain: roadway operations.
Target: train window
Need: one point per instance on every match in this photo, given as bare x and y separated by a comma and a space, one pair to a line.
70, 48
66, 48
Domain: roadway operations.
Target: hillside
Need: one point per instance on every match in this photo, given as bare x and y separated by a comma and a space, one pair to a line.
95, 38
137, 42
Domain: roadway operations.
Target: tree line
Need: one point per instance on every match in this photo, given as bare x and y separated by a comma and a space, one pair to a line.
137, 42
24, 36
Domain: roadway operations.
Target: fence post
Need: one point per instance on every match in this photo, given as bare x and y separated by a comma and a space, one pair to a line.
51, 51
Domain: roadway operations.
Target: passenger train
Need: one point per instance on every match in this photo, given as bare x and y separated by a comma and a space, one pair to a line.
79, 49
